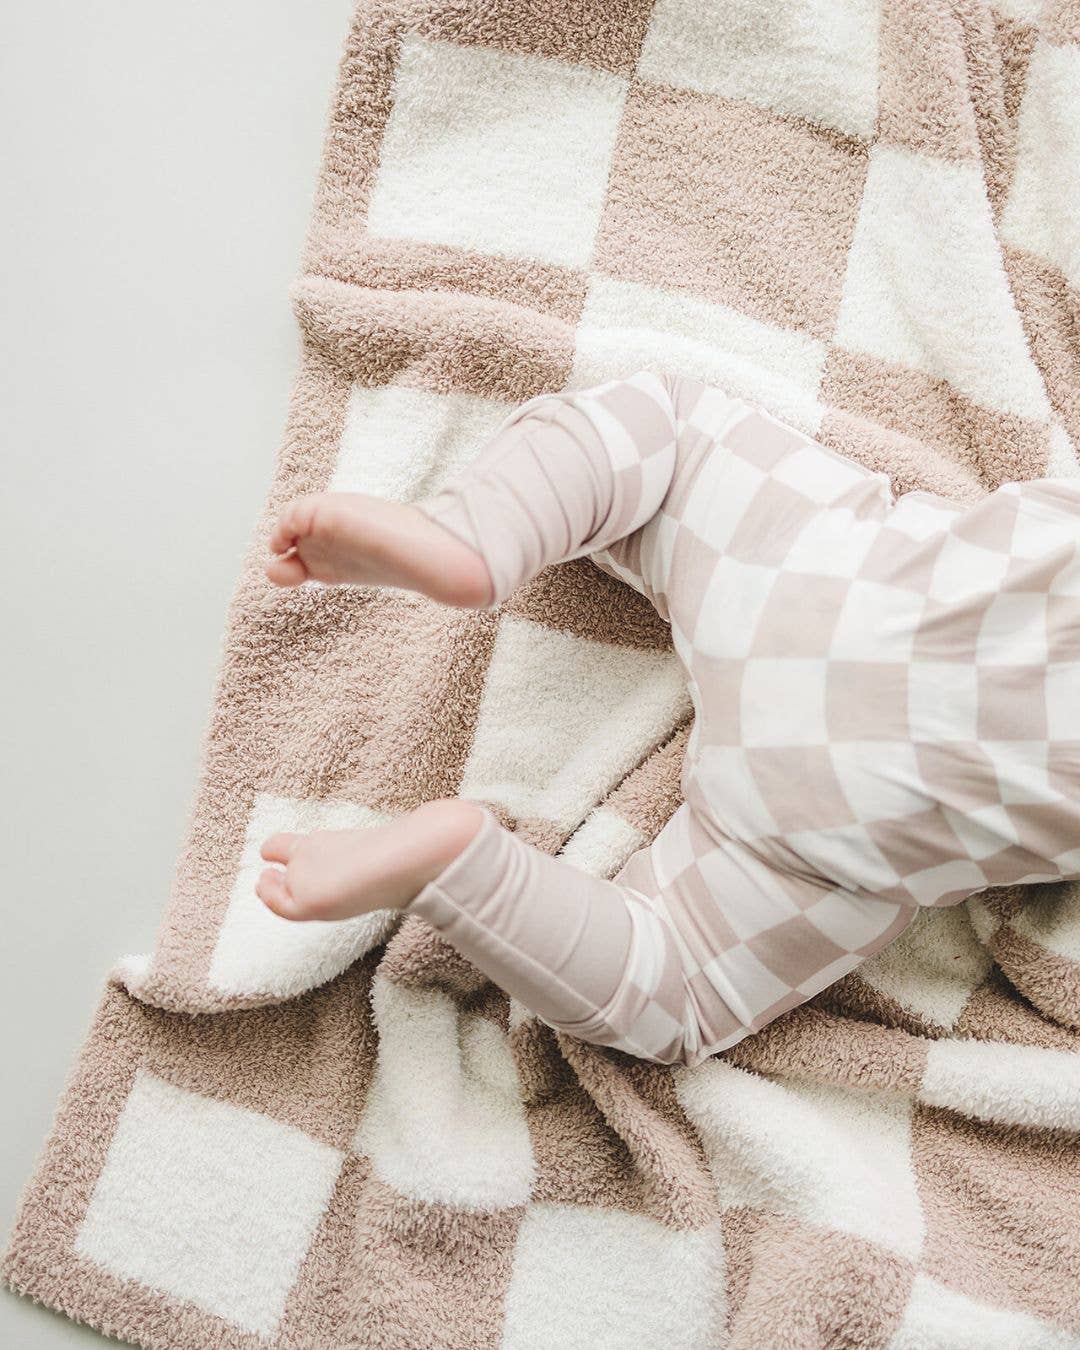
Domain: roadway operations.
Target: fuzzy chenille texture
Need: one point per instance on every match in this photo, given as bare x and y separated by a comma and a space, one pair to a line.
862, 217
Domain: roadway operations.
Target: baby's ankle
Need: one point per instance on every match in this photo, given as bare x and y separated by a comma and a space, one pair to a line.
445, 827
464, 579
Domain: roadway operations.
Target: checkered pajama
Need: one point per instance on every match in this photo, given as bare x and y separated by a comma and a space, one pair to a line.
884, 693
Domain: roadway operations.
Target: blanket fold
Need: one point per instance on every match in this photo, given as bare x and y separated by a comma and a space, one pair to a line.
862, 216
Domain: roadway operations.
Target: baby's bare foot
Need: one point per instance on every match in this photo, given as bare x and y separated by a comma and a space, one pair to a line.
336, 874
340, 537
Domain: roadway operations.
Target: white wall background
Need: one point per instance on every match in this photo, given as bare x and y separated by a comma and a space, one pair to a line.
157, 164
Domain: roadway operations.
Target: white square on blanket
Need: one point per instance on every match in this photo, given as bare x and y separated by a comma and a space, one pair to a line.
815, 60
563, 718
926, 286
933, 967
1039, 217
496, 151
443, 1120
626, 326
940, 1318
581, 1275
257, 951
402, 443
833, 1157
208, 1202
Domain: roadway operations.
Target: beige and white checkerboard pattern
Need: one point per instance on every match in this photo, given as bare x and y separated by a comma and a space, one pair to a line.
886, 697
855, 215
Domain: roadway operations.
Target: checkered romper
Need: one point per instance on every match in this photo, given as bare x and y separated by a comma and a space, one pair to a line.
886, 695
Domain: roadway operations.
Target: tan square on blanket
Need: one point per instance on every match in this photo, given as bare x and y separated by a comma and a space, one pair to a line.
733, 203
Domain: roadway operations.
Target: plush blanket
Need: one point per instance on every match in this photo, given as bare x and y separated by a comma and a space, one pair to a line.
863, 216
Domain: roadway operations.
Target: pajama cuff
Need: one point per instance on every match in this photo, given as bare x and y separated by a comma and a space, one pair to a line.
549, 934
469, 874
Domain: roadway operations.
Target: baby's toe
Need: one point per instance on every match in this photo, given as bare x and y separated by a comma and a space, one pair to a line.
294, 523
279, 847
273, 892
287, 570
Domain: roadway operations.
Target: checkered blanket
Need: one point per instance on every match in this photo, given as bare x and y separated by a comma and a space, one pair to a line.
861, 216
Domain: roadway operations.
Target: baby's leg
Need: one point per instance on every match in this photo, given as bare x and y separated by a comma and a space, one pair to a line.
679, 956
700, 939
584, 954
565, 475
587, 955
695, 944
683, 954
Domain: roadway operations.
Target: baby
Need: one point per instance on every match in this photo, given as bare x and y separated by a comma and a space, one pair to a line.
886, 694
